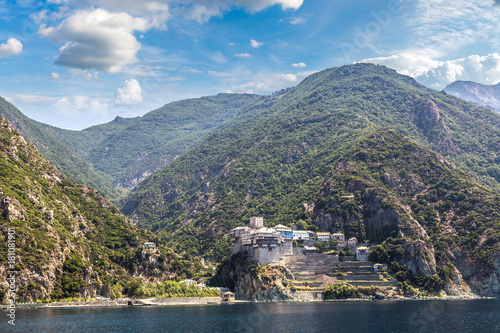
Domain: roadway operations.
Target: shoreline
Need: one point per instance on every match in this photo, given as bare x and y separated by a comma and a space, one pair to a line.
124, 302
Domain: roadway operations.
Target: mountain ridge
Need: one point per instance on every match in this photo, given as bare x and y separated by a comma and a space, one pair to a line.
485, 95
115, 156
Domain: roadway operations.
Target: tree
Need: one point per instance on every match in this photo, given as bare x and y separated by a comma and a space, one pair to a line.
378, 254
116, 291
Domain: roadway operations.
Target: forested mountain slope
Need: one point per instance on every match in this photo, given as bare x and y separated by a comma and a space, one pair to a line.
275, 162
70, 241
116, 156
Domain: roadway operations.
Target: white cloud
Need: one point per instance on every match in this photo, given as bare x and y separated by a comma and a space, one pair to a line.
191, 70
446, 25
298, 20
30, 100
217, 57
219, 74
255, 44
79, 104
11, 47
55, 76
129, 94
269, 83
203, 10
299, 64
242, 55
437, 74
97, 39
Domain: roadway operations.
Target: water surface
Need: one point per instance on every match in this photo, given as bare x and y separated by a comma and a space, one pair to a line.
382, 316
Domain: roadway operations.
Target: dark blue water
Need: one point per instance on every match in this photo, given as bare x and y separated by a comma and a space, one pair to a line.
403, 316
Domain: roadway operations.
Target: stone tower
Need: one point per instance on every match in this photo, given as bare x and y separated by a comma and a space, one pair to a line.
256, 222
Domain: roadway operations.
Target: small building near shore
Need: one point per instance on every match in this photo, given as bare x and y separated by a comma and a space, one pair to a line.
339, 238
352, 243
149, 246
310, 249
228, 297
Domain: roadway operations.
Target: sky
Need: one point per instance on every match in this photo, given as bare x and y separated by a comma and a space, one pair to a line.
75, 64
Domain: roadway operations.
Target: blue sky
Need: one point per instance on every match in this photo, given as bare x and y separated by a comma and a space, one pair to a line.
74, 64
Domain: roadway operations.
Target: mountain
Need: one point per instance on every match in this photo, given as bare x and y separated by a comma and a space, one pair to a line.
117, 155
485, 95
70, 241
387, 187
58, 153
275, 164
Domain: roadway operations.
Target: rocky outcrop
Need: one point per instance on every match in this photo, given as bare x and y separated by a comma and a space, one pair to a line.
426, 116
255, 282
266, 283
480, 281
12, 209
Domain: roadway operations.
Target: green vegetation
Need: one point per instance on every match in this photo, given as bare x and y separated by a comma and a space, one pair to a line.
348, 291
137, 288
71, 230
116, 156
276, 161
47, 140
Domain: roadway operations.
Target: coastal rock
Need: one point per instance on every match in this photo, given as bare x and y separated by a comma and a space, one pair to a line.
256, 282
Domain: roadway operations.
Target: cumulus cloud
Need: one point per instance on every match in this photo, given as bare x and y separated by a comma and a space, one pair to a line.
242, 55
299, 64
437, 74
269, 83
11, 47
97, 39
55, 76
129, 94
255, 44
77, 104
99, 34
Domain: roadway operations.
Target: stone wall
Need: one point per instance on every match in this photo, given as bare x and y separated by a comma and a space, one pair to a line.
186, 300
267, 256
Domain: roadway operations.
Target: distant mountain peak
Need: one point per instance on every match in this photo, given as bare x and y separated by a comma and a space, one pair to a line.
485, 95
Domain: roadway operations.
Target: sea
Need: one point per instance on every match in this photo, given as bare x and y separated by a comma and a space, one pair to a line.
481, 315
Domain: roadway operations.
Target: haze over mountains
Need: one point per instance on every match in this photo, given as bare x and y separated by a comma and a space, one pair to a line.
423, 166
114, 157
485, 95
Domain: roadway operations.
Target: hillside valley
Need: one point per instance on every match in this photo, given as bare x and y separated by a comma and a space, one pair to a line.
114, 157
70, 241
276, 163
359, 149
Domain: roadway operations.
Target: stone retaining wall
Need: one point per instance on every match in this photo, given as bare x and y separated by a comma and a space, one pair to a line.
186, 300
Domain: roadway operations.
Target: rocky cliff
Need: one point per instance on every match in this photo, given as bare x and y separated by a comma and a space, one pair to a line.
443, 223
255, 282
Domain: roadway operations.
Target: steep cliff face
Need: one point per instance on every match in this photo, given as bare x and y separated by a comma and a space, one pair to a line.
387, 186
253, 282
